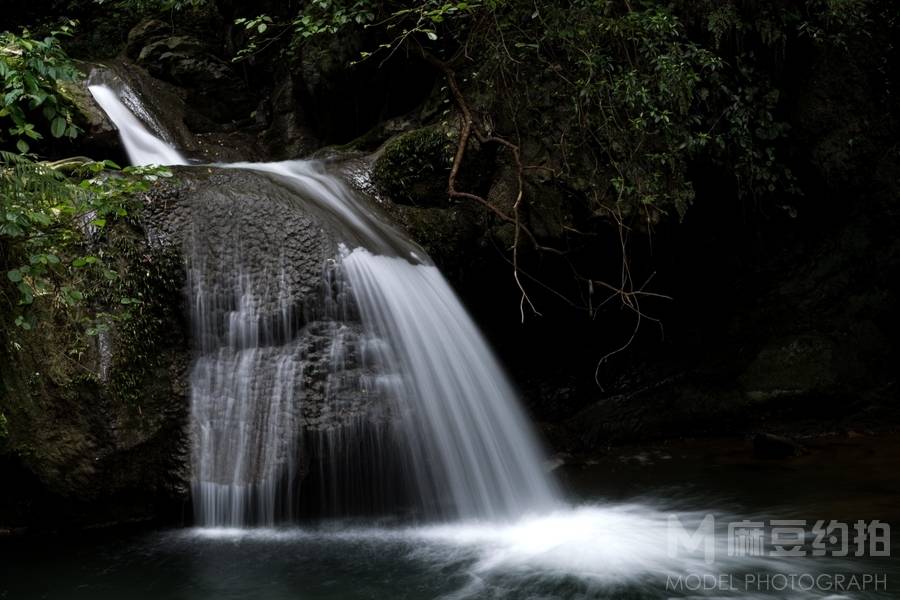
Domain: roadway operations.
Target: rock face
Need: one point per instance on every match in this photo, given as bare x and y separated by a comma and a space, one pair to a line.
244, 233
106, 438
186, 61
100, 136
288, 132
279, 380
96, 424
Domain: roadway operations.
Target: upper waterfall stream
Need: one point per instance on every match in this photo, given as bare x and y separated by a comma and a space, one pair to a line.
143, 147
444, 420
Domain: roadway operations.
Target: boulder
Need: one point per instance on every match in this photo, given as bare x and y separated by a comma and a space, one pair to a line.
101, 138
184, 60
796, 366
145, 33
413, 167
212, 87
96, 423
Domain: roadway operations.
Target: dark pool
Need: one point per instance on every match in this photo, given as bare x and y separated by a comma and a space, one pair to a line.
611, 542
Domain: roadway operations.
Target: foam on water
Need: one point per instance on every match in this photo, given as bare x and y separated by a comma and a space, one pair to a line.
606, 547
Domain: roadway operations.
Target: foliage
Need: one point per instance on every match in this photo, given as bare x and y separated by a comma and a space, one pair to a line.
333, 17
317, 18
628, 94
48, 223
624, 95
155, 6
32, 104
639, 93
837, 18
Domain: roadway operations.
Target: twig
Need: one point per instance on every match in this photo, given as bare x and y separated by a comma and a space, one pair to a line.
468, 129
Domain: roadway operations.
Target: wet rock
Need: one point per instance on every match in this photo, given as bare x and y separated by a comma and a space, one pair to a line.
100, 138
288, 133
213, 208
145, 33
179, 113
211, 84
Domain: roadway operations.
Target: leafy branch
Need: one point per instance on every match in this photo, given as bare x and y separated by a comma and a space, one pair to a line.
47, 220
32, 103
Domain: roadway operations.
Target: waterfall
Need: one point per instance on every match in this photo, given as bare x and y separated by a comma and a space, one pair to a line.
143, 147
420, 413
472, 444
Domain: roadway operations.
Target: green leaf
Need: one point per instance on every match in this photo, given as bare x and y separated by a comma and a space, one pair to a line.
26, 295
39, 218
84, 260
22, 145
14, 275
58, 127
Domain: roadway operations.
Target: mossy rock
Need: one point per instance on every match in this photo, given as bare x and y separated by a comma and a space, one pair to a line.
795, 366
413, 168
98, 419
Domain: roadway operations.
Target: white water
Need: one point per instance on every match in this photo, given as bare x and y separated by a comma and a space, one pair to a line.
590, 551
243, 398
143, 147
473, 447
463, 444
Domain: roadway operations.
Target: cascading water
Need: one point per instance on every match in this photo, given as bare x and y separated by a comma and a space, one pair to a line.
448, 423
143, 147
473, 449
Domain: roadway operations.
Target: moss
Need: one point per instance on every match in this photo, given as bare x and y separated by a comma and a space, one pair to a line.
88, 114
45, 424
413, 167
154, 281
70, 408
